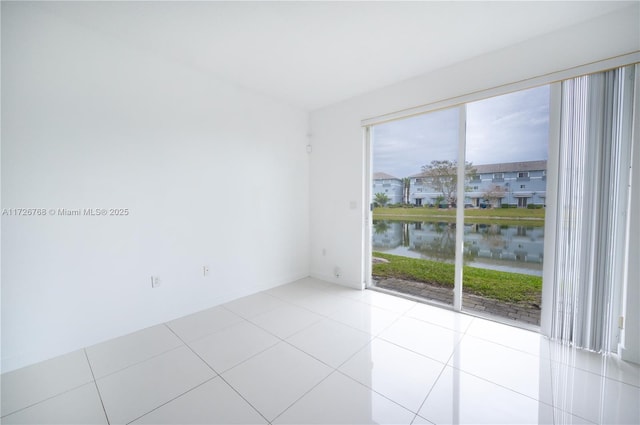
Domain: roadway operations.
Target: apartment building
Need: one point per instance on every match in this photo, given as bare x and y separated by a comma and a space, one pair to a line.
388, 185
515, 184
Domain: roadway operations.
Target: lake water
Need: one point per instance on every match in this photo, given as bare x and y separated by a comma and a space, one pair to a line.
517, 249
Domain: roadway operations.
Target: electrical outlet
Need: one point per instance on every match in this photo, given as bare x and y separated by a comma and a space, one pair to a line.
205, 271
155, 281
337, 272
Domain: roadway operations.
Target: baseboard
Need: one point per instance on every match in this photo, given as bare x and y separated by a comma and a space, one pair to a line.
629, 356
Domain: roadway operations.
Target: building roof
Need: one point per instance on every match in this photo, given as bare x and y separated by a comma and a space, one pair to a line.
384, 176
507, 167
503, 167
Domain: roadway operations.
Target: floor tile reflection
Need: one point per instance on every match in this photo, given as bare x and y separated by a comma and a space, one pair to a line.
313, 352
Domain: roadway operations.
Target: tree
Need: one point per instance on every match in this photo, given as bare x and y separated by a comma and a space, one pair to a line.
494, 194
380, 226
406, 189
380, 200
443, 177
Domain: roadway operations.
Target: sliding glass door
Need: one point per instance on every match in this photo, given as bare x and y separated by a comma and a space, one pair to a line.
473, 185
458, 199
414, 203
507, 141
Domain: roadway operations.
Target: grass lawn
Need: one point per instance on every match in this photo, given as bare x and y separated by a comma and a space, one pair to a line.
503, 286
514, 216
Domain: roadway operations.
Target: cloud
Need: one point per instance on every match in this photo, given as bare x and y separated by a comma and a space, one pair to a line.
402, 147
508, 128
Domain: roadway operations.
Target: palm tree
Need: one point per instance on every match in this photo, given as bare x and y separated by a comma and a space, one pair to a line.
380, 200
406, 188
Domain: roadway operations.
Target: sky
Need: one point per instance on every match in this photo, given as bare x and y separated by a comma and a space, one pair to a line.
508, 128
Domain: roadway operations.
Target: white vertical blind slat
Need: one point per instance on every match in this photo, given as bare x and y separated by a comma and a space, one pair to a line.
593, 142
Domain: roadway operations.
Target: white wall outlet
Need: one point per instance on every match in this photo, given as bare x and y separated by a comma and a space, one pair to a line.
205, 271
155, 281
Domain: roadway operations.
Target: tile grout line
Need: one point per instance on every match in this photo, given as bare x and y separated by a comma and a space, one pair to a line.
372, 337
443, 368
334, 369
242, 397
210, 334
285, 340
463, 371
507, 346
376, 392
218, 375
358, 301
289, 336
140, 362
444, 365
192, 350
304, 394
438, 324
501, 385
324, 316
551, 361
463, 333
95, 383
45, 399
174, 398
221, 306
250, 357
280, 340
417, 352
325, 363
482, 378
429, 392
554, 383
246, 320
224, 306
586, 369
53, 396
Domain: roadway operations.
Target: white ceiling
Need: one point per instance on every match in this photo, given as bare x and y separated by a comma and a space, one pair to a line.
312, 54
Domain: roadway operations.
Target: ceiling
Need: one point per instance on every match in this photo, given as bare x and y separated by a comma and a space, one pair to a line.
313, 54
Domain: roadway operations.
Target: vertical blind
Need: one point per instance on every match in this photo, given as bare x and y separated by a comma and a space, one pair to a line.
595, 146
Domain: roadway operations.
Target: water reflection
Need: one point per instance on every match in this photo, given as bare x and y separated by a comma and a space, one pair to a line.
516, 249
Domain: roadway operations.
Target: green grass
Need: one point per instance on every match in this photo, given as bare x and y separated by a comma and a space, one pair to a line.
503, 286
506, 216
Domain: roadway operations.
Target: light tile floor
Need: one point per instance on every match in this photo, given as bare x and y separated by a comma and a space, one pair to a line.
313, 352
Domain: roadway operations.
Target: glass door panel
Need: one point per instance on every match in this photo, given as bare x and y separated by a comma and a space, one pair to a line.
505, 197
414, 205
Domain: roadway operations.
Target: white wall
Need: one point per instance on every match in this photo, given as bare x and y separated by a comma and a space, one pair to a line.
338, 148
211, 173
